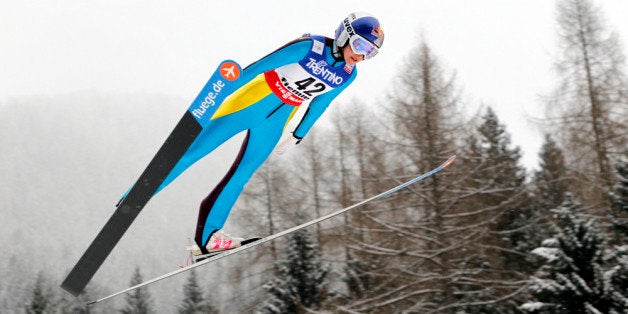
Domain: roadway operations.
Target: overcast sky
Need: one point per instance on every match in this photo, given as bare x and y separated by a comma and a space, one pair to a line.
501, 50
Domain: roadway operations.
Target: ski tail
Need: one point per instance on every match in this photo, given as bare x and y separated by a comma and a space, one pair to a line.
130, 207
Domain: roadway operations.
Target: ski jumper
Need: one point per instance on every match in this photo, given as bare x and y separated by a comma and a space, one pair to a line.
303, 72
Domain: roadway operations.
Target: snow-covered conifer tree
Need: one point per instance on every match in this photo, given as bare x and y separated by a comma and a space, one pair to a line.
576, 277
139, 300
300, 279
193, 301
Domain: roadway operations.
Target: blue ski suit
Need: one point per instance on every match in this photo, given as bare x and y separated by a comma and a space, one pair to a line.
302, 72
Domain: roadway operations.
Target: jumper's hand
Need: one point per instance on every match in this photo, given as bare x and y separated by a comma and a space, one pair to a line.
286, 144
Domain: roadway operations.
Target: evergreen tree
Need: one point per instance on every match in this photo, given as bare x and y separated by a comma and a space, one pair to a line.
300, 279
498, 220
193, 301
69, 304
504, 178
551, 181
503, 171
139, 300
617, 278
573, 279
549, 185
41, 300
619, 204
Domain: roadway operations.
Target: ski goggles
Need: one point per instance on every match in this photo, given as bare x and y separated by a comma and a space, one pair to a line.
362, 46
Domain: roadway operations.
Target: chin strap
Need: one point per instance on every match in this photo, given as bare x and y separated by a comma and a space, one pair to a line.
337, 53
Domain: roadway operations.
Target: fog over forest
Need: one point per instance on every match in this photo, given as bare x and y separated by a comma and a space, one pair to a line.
65, 162
492, 233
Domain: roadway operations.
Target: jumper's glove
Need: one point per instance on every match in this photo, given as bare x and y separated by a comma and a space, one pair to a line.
286, 144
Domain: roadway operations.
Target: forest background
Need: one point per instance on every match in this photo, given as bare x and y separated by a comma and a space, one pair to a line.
489, 234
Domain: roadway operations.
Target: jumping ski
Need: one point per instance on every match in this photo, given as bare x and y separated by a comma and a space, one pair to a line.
220, 85
214, 257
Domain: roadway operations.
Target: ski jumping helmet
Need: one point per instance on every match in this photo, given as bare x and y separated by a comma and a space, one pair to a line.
362, 32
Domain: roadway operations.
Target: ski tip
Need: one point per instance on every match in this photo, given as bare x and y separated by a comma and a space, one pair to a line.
448, 162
